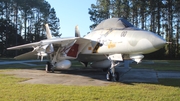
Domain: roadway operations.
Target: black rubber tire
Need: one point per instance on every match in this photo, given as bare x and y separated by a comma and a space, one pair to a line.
117, 76
110, 76
48, 67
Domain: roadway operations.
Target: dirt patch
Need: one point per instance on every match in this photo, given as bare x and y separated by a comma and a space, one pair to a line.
65, 77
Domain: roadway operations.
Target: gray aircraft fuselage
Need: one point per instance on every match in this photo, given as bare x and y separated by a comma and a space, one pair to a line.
127, 40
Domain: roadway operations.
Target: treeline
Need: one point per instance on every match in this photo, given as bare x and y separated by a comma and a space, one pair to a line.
22, 21
159, 16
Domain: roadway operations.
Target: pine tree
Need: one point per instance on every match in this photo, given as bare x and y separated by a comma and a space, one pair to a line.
54, 23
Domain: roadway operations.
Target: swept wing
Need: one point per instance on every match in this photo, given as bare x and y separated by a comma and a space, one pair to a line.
62, 41
43, 47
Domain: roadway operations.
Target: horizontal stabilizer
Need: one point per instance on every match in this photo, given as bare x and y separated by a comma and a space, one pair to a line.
27, 56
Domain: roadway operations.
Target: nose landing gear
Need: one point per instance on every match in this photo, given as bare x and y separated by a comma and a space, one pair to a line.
111, 74
110, 77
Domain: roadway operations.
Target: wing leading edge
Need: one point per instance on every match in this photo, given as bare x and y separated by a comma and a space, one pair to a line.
42, 47
56, 41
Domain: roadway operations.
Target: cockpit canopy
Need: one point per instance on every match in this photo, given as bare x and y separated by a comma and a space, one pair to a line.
114, 23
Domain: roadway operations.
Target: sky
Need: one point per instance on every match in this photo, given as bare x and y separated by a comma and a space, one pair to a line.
72, 13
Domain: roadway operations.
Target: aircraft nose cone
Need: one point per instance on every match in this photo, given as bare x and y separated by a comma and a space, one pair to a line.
156, 41
145, 42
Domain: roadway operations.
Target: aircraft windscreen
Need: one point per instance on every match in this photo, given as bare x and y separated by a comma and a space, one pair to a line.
114, 23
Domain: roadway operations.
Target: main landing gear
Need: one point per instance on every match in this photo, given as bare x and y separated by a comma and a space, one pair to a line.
111, 74
49, 67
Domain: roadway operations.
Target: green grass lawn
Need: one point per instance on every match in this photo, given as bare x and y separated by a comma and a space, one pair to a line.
12, 90
166, 90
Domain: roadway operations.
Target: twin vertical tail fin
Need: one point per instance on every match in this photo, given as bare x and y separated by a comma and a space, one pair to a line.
48, 49
49, 35
48, 32
77, 32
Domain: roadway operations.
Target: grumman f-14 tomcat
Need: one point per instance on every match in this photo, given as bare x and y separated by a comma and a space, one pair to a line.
113, 40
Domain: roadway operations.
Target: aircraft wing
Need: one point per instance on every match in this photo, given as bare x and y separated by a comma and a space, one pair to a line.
69, 45
27, 56
62, 41
30, 45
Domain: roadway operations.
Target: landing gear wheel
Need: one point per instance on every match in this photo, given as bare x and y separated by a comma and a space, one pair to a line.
116, 76
48, 67
109, 76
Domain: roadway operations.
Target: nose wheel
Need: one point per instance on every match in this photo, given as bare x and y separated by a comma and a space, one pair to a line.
111, 77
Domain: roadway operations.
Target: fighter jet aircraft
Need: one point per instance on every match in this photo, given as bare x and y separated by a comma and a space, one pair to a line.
113, 40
